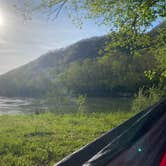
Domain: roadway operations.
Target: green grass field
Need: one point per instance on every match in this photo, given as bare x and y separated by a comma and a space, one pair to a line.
41, 140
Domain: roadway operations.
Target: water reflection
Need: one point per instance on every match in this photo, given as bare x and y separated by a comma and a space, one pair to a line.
16, 106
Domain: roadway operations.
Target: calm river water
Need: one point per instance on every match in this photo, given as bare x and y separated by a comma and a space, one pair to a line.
16, 106
26, 105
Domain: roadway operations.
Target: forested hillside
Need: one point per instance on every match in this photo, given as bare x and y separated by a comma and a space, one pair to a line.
82, 69
35, 78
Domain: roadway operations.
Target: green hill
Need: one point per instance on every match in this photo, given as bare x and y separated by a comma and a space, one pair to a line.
81, 69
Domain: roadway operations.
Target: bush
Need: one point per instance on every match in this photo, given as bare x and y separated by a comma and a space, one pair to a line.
145, 98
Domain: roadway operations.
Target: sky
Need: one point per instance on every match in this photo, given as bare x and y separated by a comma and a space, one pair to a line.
22, 41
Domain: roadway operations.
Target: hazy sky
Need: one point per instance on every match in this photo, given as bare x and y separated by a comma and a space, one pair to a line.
22, 41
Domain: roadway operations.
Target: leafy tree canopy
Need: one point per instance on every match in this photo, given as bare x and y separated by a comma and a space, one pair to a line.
135, 15
130, 18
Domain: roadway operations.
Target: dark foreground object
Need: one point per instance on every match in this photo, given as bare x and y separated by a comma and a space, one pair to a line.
140, 141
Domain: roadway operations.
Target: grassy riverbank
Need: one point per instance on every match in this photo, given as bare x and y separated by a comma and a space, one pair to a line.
44, 139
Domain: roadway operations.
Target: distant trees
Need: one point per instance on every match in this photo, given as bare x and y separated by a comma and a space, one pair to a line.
21, 84
107, 75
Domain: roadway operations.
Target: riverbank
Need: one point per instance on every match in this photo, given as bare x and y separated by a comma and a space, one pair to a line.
46, 138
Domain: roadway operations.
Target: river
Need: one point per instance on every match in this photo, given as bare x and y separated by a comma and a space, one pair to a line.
12, 106
16, 106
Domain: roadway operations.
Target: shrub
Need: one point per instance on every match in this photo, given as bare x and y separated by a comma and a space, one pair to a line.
145, 98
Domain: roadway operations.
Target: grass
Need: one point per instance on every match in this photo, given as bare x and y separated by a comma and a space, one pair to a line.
41, 140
